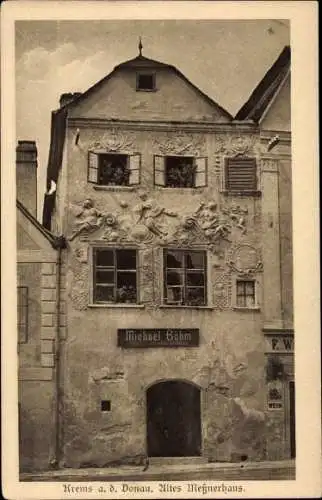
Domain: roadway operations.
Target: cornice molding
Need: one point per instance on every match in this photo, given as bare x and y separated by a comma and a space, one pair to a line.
144, 125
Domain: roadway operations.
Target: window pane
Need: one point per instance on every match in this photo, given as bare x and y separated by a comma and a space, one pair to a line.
174, 295
174, 258
249, 285
104, 294
195, 260
195, 279
240, 288
126, 287
250, 301
195, 296
240, 301
126, 259
174, 278
105, 277
105, 258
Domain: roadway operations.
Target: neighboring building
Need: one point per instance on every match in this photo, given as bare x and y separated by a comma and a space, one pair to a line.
38, 301
178, 269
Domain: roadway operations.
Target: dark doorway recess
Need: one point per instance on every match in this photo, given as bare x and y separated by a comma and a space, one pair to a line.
173, 420
292, 419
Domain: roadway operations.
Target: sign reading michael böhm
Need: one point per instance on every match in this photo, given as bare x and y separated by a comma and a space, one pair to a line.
158, 337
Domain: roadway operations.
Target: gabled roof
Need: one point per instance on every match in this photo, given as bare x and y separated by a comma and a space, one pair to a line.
59, 117
55, 241
265, 91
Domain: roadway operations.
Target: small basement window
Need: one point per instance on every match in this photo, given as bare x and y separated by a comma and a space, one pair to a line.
145, 81
105, 405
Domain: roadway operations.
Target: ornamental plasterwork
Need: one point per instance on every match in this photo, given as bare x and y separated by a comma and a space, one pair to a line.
244, 259
148, 221
222, 291
235, 145
114, 140
180, 143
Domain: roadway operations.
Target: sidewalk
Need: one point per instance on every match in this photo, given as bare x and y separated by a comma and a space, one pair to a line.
284, 470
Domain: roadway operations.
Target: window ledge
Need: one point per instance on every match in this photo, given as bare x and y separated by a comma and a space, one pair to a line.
118, 306
114, 188
184, 190
247, 309
226, 192
169, 306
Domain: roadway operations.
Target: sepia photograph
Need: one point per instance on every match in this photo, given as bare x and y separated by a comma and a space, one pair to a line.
154, 254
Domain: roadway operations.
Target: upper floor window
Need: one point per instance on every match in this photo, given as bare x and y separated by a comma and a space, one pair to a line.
111, 169
180, 171
115, 276
240, 174
22, 303
185, 280
145, 81
245, 293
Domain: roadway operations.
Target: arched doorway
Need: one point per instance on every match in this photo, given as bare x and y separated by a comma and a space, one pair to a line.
173, 419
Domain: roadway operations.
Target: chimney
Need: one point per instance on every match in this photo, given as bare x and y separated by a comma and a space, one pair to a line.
26, 175
68, 97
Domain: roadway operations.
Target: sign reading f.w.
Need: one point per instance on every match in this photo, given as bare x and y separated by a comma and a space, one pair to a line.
161, 337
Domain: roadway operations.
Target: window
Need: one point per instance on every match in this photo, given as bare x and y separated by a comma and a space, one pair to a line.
105, 405
22, 314
180, 171
111, 169
145, 81
185, 278
240, 174
115, 276
245, 291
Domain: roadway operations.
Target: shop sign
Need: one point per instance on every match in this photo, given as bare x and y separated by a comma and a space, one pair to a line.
158, 337
279, 343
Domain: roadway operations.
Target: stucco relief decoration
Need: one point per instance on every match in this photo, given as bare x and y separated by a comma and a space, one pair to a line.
180, 143
245, 260
211, 224
221, 291
79, 288
113, 140
87, 219
150, 220
238, 145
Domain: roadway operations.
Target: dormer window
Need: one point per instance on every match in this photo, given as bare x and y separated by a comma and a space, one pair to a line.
145, 81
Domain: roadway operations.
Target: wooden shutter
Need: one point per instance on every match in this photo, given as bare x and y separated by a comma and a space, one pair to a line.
93, 167
159, 170
134, 166
241, 174
201, 172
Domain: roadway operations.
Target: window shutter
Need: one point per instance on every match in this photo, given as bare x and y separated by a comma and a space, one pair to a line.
241, 174
134, 165
93, 166
201, 172
159, 170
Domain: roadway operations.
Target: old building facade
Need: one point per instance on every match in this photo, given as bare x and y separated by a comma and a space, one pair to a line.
177, 334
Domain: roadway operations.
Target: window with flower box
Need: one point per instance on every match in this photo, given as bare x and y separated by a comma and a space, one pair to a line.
185, 277
112, 169
115, 276
180, 171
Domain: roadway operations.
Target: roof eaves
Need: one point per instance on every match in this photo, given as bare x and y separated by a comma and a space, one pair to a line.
55, 241
265, 90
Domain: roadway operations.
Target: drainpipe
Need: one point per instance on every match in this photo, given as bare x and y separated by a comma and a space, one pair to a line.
59, 244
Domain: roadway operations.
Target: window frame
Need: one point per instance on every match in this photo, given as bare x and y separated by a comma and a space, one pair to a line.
145, 73
93, 267
241, 192
257, 287
164, 167
185, 271
22, 307
100, 153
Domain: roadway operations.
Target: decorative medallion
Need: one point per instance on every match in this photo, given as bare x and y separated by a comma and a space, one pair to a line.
245, 259
114, 140
180, 143
234, 145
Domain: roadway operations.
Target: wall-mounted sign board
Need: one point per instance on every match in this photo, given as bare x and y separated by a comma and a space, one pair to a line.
158, 337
